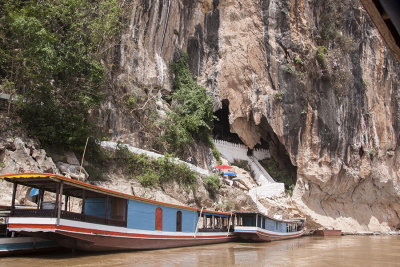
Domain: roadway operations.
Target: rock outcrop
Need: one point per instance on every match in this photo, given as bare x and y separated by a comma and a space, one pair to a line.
313, 79
19, 155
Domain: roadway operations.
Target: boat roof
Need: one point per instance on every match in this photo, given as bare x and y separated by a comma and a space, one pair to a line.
71, 187
254, 212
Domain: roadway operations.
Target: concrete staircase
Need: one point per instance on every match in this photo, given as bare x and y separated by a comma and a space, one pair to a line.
232, 152
261, 176
267, 187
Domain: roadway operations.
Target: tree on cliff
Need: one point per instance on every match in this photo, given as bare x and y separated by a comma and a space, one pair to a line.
50, 51
192, 109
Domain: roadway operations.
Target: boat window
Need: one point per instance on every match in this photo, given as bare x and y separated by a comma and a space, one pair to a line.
249, 220
240, 221
158, 219
209, 222
204, 219
179, 221
217, 222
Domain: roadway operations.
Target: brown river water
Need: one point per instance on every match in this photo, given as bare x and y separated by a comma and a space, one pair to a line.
305, 251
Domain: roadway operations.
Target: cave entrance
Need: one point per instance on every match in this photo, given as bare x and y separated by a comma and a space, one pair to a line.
222, 129
279, 166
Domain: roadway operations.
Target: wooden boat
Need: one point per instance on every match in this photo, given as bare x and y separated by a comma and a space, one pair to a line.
254, 226
328, 232
110, 220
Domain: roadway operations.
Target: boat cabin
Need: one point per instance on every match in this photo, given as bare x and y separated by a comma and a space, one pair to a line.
108, 207
210, 222
255, 219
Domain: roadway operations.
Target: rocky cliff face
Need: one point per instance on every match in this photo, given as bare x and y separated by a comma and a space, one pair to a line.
313, 79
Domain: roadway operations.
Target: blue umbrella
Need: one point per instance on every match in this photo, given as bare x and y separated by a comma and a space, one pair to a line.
229, 173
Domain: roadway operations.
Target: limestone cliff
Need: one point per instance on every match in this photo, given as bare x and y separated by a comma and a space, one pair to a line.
312, 79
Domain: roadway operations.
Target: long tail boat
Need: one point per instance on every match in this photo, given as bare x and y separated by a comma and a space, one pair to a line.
110, 220
257, 227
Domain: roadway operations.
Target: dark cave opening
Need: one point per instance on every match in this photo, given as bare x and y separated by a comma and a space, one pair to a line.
263, 144
222, 129
279, 166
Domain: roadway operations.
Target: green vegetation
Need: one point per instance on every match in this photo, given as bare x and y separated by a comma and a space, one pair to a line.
50, 53
278, 96
225, 205
321, 52
243, 164
331, 26
289, 191
152, 172
131, 102
298, 60
96, 173
216, 154
214, 150
371, 152
279, 175
149, 178
192, 109
329, 20
283, 9
212, 184
288, 69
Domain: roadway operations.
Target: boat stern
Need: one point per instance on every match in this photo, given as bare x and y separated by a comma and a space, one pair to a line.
32, 224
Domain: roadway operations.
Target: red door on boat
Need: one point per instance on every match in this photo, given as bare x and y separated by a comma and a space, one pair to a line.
179, 221
159, 219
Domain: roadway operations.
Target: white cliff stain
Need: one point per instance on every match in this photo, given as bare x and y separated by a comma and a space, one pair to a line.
162, 68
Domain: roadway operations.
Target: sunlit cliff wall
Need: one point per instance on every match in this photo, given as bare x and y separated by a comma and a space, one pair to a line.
312, 78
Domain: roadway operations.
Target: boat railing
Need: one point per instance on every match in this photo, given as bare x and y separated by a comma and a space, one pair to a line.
223, 229
52, 213
33, 213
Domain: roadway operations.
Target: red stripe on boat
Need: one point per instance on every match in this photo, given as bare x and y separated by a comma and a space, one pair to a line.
102, 232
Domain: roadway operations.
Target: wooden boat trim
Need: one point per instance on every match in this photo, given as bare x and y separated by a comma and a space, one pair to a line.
258, 230
19, 177
69, 226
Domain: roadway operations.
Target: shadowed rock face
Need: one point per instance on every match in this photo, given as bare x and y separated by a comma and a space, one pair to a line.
312, 78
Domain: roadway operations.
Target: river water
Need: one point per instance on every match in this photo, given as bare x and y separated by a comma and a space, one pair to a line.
305, 251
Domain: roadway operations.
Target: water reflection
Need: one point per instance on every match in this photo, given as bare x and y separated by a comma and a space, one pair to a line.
306, 251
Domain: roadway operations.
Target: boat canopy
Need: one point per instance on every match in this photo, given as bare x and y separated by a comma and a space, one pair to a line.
78, 189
